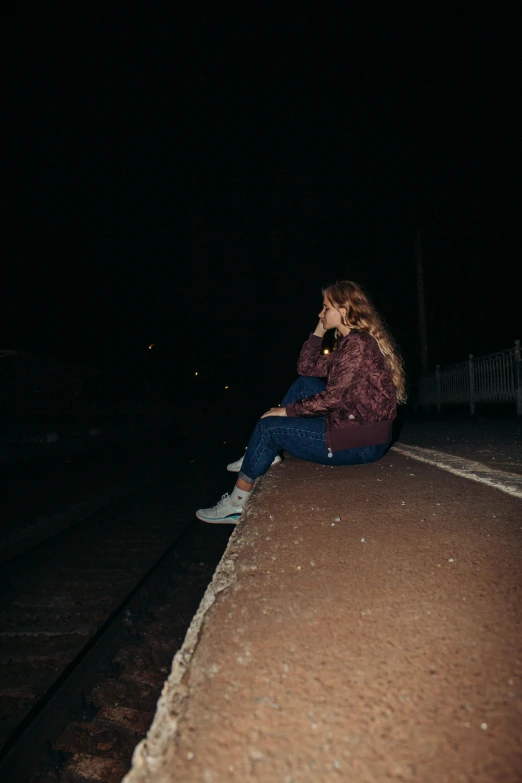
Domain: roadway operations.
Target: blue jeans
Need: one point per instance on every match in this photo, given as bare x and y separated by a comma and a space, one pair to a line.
304, 438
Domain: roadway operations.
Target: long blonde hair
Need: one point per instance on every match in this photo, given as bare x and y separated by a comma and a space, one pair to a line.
361, 314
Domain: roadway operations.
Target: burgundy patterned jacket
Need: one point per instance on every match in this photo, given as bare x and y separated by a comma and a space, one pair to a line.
359, 401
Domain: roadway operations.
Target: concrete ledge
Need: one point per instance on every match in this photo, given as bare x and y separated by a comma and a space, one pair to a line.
363, 625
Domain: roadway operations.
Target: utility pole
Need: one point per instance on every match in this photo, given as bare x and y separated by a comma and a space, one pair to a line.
421, 302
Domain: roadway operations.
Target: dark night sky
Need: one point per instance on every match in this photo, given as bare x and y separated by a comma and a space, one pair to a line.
181, 174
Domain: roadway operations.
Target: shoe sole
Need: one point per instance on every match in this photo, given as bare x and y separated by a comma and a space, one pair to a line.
231, 520
236, 470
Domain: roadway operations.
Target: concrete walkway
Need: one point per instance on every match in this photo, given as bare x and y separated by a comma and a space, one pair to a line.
364, 625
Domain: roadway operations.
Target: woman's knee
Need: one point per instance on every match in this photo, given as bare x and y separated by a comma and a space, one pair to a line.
267, 425
310, 385
303, 386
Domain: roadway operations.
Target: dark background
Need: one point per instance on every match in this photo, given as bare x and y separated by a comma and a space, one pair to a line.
190, 176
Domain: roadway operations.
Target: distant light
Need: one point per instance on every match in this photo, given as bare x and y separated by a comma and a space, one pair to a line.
151, 346
226, 387
195, 373
326, 351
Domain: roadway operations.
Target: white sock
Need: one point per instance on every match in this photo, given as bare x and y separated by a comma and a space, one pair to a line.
239, 497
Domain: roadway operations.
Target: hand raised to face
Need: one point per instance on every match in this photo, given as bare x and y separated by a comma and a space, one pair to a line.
320, 331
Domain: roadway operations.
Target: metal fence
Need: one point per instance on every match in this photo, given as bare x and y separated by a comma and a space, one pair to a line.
495, 378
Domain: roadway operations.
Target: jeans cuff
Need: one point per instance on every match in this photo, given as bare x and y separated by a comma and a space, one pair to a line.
246, 478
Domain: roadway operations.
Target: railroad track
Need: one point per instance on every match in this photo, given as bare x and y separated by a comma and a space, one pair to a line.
89, 623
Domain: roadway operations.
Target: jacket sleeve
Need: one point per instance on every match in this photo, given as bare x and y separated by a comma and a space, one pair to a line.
311, 361
343, 372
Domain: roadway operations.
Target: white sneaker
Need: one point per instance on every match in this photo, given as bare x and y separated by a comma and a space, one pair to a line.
235, 467
222, 513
